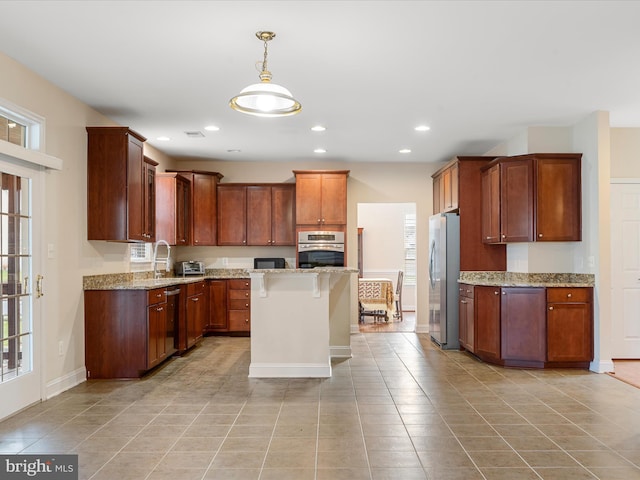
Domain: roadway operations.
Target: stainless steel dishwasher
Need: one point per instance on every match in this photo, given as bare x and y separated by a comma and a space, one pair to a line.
173, 302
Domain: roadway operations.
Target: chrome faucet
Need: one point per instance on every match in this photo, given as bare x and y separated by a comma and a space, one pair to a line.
164, 260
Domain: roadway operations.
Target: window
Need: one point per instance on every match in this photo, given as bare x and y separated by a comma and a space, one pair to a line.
140, 253
410, 272
21, 127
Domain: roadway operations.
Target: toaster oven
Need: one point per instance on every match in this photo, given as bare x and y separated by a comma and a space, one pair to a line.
189, 268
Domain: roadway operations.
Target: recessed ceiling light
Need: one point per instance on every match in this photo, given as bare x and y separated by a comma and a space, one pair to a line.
211, 128
318, 128
163, 139
404, 150
422, 128
319, 150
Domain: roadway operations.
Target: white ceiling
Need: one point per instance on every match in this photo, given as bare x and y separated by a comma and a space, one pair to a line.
476, 72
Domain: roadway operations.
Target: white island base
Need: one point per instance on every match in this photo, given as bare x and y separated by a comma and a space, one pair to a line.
300, 318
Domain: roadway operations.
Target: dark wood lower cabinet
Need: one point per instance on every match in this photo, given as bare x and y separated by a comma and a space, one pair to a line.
534, 327
524, 336
126, 332
230, 307
487, 300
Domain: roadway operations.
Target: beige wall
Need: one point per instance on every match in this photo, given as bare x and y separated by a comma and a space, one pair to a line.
625, 153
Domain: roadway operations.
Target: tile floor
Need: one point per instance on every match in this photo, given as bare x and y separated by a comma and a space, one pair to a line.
399, 409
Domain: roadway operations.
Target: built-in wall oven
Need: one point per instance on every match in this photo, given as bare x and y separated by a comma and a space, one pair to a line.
320, 249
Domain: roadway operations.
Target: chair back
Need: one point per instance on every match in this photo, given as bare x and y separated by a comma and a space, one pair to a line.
399, 283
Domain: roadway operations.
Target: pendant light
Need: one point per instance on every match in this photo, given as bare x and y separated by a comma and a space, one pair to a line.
265, 99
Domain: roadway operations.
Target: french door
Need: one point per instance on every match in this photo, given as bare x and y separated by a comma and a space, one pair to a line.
21, 379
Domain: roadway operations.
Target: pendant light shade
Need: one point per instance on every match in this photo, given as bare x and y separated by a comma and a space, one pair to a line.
265, 99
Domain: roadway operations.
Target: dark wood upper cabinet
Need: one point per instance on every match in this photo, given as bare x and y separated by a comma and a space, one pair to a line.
256, 214
120, 186
232, 214
203, 205
458, 187
321, 197
540, 198
173, 208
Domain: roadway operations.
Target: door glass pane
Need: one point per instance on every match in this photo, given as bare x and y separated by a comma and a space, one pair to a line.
16, 336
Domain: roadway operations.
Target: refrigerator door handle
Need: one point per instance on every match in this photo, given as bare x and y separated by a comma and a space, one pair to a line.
432, 267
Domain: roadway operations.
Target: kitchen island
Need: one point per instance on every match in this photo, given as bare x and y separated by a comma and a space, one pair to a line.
300, 319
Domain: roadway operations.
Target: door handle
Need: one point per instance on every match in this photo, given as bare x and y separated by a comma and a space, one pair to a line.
25, 285
39, 290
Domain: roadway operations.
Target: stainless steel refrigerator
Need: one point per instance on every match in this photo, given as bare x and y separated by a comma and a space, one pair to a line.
444, 271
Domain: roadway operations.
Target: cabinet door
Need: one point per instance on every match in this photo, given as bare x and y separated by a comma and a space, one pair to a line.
437, 186
283, 215
558, 200
259, 218
490, 180
569, 325
454, 186
135, 190
232, 215
308, 199
466, 318
487, 322
203, 209
149, 208
182, 216
156, 350
334, 198
516, 200
218, 305
195, 318
445, 191
523, 324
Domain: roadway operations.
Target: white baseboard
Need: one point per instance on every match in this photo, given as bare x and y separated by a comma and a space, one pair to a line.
61, 384
601, 366
340, 351
287, 370
355, 328
422, 328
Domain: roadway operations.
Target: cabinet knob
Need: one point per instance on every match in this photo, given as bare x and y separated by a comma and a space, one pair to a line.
568, 295
195, 299
539, 235
195, 241
159, 309
463, 301
246, 320
318, 220
468, 291
488, 238
246, 284
504, 293
496, 293
246, 295
550, 308
246, 305
504, 236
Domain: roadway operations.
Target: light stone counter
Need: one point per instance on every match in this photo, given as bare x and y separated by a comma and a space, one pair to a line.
517, 279
300, 319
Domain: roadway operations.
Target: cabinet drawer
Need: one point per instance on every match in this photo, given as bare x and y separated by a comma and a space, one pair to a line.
239, 294
239, 321
466, 290
244, 304
157, 295
196, 288
561, 295
240, 284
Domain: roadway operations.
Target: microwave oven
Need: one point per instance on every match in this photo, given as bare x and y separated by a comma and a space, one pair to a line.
268, 263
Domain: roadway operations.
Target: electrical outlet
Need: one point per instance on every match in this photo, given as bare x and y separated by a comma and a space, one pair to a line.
60, 348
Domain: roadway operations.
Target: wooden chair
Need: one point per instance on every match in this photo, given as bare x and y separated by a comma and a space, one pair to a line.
398, 296
376, 314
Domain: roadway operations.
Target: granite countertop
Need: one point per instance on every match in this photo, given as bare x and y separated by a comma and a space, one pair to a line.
145, 280
517, 279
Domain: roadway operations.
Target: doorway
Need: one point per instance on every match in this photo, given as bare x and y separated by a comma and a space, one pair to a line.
388, 245
20, 215
625, 262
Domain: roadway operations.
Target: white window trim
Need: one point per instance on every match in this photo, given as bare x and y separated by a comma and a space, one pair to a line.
34, 152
